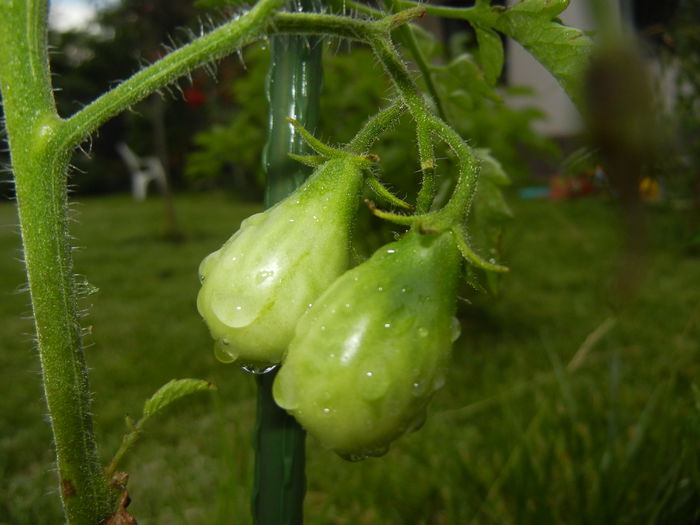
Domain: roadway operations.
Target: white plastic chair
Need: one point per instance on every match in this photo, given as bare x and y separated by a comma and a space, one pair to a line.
143, 170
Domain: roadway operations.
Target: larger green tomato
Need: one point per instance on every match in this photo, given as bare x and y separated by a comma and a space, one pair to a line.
370, 353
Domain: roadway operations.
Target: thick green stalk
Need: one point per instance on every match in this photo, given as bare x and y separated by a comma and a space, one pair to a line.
39, 164
293, 90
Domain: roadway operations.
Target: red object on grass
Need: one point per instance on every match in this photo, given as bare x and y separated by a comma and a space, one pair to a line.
194, 97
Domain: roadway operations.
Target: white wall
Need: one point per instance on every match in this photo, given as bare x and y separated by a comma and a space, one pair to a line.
562, 116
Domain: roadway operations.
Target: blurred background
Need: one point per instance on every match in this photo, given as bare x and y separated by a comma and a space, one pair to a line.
573, 395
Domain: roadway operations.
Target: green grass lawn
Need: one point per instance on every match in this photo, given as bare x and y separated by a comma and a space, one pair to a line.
564, 404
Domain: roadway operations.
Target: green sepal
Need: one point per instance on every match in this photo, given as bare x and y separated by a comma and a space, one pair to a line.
471, 256
319, 147
383, 193
313, 161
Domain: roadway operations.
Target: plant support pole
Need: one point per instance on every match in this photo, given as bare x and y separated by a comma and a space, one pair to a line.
293, 90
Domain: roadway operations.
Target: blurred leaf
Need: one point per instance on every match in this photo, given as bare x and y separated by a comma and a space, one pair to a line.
464, 79
491, 54
171, 392
489, 213
562, 50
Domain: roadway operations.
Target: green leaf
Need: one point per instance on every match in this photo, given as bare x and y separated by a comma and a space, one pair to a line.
491, 168
550, 8
463, 77
172, 391
491, 55
564, 51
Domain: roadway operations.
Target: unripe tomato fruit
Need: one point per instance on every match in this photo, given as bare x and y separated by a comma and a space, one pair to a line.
370, 353
258, 284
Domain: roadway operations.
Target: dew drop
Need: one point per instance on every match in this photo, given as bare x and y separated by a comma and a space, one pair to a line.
263, 275
387, 325
373, 382
419, 388
438, 383
291, 220
326, 410
201, 278
423, 332
380, 289
347, 305
456, 329
223, 351
323, 328
258, 370
390, 250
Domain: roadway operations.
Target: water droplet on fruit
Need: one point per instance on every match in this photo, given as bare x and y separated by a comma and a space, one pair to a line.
263, 275
423, 332
291, 220
373, 382
326, 410
201, 278
456, 329
390, 250
380, 289
258, 370
438, 383
223, 351
387, 325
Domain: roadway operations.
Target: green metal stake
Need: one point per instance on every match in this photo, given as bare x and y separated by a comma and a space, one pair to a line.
293, 89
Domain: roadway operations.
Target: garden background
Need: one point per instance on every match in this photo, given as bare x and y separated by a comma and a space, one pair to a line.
573, 395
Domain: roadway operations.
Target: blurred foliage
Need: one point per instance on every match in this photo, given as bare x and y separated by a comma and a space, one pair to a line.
354, 88
681, 58
87, 62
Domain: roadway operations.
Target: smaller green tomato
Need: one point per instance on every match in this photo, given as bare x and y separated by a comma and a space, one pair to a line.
370, 353
258, 284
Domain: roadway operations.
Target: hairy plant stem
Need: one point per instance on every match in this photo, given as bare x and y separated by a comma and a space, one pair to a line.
40, 147
39, 163
213, 45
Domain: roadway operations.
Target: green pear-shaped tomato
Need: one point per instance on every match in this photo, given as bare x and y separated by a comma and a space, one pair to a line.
367, 357
258, 284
